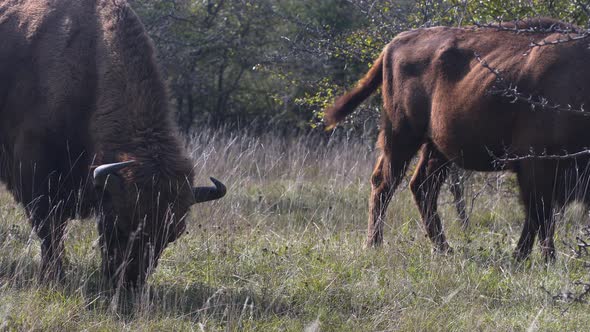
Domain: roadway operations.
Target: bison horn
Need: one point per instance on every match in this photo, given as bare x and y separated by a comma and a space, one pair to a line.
204, 194
102, 171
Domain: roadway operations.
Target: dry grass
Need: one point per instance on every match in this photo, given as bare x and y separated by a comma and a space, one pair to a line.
283, 251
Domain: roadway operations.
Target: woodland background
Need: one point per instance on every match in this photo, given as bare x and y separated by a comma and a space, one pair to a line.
262, 64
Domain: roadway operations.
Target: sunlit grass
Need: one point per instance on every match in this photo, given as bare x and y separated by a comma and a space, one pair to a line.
283, 251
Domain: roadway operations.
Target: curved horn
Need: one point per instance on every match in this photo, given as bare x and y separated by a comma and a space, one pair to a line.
204, 194
101, 172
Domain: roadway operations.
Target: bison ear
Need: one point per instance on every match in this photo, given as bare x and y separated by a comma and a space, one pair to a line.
103, 171
204, 194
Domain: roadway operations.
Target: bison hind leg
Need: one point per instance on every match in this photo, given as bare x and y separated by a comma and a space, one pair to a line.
396, 153
428, 178
457, 186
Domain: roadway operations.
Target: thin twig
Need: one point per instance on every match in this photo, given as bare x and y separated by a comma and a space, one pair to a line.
508, 90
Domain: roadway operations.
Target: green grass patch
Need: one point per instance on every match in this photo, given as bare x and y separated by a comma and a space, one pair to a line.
284, 251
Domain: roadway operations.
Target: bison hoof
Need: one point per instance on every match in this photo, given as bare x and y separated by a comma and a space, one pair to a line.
443, 249
520, 255
52, 273
373, 243
369, 246
548, 255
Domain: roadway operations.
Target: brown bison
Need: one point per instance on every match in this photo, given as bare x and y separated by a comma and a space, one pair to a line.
85, 127
461, 95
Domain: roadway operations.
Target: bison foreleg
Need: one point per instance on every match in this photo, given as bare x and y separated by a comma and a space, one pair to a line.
51, 231
536, 189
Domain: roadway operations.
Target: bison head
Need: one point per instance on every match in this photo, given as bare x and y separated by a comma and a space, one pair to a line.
140, 218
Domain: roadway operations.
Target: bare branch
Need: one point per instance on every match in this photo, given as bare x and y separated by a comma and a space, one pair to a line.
520, 27
508, 90
567, 39
543, 156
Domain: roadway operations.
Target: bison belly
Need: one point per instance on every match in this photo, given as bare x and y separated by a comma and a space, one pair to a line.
473, 132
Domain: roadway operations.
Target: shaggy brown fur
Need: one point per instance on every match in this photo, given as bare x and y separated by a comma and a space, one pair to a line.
79, 87
437, 96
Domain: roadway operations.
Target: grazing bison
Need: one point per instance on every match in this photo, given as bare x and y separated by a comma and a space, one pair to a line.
451, 92
85, 127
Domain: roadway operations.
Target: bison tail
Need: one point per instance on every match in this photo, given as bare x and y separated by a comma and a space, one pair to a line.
345, 104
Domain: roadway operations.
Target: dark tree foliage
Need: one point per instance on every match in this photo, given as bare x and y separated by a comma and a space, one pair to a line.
279, 63
211, 52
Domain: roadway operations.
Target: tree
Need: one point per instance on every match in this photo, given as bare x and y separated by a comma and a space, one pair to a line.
281, 62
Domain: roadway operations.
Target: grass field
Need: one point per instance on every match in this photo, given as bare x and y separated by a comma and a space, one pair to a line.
283, 252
